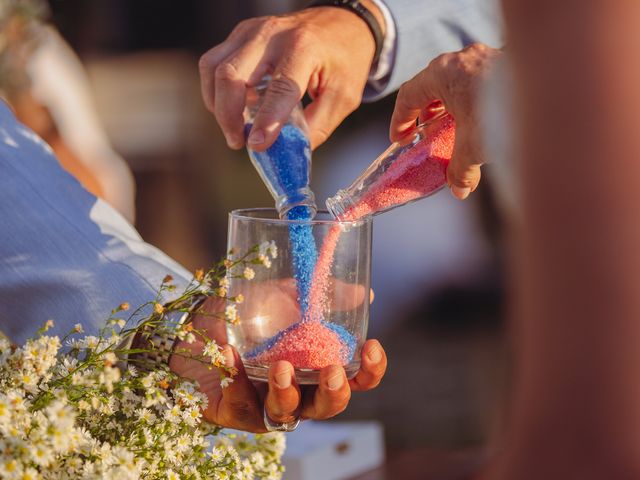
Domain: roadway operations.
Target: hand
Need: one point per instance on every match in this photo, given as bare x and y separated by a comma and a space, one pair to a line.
326, 51
450, 82
240, 405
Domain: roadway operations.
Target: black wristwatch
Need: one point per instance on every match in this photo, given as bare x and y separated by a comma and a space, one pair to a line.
356, 7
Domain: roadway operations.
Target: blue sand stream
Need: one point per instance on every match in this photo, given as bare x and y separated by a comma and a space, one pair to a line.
304, 253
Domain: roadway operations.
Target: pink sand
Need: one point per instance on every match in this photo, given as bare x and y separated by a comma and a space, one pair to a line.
318, 298
308, 345
414, 174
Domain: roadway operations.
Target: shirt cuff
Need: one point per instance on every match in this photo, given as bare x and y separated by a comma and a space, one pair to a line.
381, 71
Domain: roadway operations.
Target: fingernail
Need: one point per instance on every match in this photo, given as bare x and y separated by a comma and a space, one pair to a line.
460, 192
256, 137
375, 355
232, 142
335, 382
229, 357
283, 379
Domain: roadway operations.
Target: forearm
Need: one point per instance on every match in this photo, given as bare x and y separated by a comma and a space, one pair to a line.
427, 28
577, 308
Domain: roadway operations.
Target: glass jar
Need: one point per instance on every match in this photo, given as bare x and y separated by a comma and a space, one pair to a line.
273, 324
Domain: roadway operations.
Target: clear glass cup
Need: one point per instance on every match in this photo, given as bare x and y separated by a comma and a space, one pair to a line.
312, 326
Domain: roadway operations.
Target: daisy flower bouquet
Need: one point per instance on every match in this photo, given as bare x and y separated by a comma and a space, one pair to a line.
71, 408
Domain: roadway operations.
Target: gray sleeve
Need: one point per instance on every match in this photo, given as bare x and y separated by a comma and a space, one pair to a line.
427, 28
64, 254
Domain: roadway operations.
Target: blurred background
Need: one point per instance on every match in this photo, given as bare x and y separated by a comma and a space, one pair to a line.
125, 109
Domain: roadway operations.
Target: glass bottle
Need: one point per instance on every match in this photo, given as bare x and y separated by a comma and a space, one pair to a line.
409, 170
285, 167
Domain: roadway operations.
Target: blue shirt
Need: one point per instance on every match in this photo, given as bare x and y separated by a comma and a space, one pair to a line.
64, 254
426, 28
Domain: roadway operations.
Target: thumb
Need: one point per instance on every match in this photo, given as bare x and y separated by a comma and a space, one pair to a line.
285, 90
463, 171
463, 182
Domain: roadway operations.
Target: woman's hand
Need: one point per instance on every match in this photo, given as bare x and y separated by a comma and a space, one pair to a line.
450, 82
241, 404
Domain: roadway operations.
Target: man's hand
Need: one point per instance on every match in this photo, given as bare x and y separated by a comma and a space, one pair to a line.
326, 51
451, 82
240, 405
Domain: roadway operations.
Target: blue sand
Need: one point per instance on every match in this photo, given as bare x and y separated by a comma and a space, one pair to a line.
348, 340
346, 337
285, 168
304, 253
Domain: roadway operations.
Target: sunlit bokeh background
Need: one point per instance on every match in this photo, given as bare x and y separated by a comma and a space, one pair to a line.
436, 263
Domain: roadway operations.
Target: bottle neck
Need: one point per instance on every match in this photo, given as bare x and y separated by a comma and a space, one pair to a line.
340, 204
285, 166
300, 208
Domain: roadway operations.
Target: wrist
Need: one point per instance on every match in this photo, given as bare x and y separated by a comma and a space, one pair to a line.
377, 13
363, 14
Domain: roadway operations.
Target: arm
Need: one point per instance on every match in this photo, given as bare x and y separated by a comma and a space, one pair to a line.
327, 52
577, 305
427, 28
60, 245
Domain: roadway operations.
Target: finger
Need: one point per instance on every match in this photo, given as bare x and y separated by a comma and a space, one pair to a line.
289, 82
372, 368
330, 397
412, 98
284, 397
210, 60
239, 405
463, 171
329, 108
243, 67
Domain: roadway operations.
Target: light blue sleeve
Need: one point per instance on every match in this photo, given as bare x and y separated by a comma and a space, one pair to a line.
64, 254
427, 28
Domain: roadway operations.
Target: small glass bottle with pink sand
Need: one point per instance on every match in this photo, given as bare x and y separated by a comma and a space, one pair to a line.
409, 170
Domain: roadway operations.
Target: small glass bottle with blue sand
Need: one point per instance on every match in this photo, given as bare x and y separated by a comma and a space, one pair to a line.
285, 167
